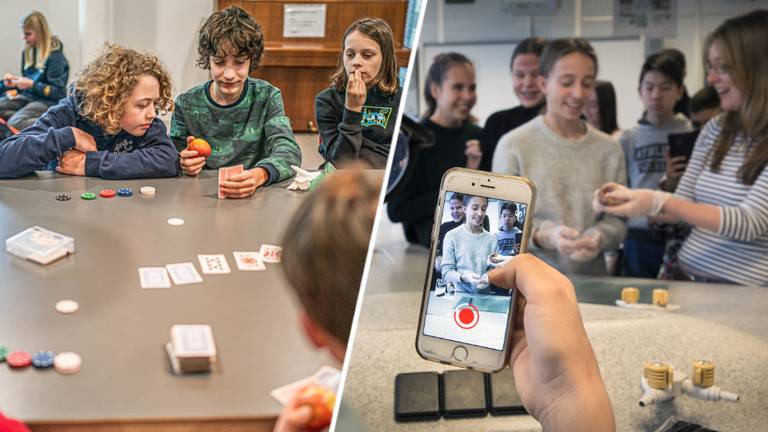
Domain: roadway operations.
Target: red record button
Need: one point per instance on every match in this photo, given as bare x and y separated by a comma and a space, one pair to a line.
466, 316
107, 193
19, 359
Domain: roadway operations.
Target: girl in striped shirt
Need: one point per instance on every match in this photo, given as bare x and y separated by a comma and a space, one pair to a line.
723, 194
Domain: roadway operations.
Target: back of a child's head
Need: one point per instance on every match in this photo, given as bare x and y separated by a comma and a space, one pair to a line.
104, 85
325, 247
666, 64
379, 31
704, 99
231, 31
606, 102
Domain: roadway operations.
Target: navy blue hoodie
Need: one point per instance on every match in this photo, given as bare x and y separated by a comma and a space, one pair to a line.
120, 156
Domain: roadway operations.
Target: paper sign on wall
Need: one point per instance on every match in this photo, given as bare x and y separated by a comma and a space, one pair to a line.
304, 20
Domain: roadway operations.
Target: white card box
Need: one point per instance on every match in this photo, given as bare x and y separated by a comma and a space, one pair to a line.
40, 245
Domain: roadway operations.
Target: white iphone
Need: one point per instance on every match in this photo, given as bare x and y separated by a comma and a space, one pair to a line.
481, 220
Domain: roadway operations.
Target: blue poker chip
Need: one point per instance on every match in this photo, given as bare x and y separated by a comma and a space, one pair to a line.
125, 192
43, 359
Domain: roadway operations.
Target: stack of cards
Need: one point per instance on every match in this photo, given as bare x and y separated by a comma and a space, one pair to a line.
326, 377
191, 348
40, 245
225, 173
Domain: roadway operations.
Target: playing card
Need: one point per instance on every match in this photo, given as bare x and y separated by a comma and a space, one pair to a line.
326, 376
249, 261
193, 341
154, 277
285, 393
184, 273
271, 254
213, 264
225, 173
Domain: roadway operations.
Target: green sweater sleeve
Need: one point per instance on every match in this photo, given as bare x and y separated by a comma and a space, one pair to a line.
281, 147
179, 130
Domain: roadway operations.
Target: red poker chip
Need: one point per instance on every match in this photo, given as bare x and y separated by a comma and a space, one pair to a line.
107, 193
19, 359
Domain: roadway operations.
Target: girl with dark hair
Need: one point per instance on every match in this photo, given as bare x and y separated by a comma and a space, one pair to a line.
601, 109
450, 96
525, 72
723, 194
356, 116
566, 158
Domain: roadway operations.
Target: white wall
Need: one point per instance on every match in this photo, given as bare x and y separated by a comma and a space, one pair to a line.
166, 27
475, 26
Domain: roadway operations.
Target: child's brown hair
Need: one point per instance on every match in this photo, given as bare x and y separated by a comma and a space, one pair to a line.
104, 85
235, 27
325, 248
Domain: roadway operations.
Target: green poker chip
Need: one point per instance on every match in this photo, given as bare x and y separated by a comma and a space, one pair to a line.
3, 353
88, 196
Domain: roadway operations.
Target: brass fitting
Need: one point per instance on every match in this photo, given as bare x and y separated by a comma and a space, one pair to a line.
630, 295
703, 373
659, 375
660, 297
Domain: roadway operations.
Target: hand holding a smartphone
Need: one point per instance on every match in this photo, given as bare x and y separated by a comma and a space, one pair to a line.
556, 371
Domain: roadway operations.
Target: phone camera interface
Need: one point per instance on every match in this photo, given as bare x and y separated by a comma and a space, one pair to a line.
476, 234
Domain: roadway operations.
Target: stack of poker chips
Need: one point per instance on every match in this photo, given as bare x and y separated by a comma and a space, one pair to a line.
64, 363
191, 349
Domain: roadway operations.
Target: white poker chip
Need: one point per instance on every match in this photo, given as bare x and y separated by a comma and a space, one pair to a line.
67, 306
176, 221
147, 190
67, 363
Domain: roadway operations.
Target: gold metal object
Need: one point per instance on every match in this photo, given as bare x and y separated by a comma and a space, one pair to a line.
630, 295
658, 374
660, 297
703, 373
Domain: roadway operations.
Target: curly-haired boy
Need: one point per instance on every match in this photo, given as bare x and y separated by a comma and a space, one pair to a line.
241, 117
107, 127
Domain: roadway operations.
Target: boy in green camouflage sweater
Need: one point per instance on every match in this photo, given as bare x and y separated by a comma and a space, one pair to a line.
242, 118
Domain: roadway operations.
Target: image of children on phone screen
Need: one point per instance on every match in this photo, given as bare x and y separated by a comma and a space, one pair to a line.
468, 250
478, 234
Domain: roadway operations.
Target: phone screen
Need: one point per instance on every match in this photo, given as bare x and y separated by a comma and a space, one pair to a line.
476, 234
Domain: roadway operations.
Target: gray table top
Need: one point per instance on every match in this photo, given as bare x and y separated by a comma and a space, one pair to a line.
121, 329
725, 324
